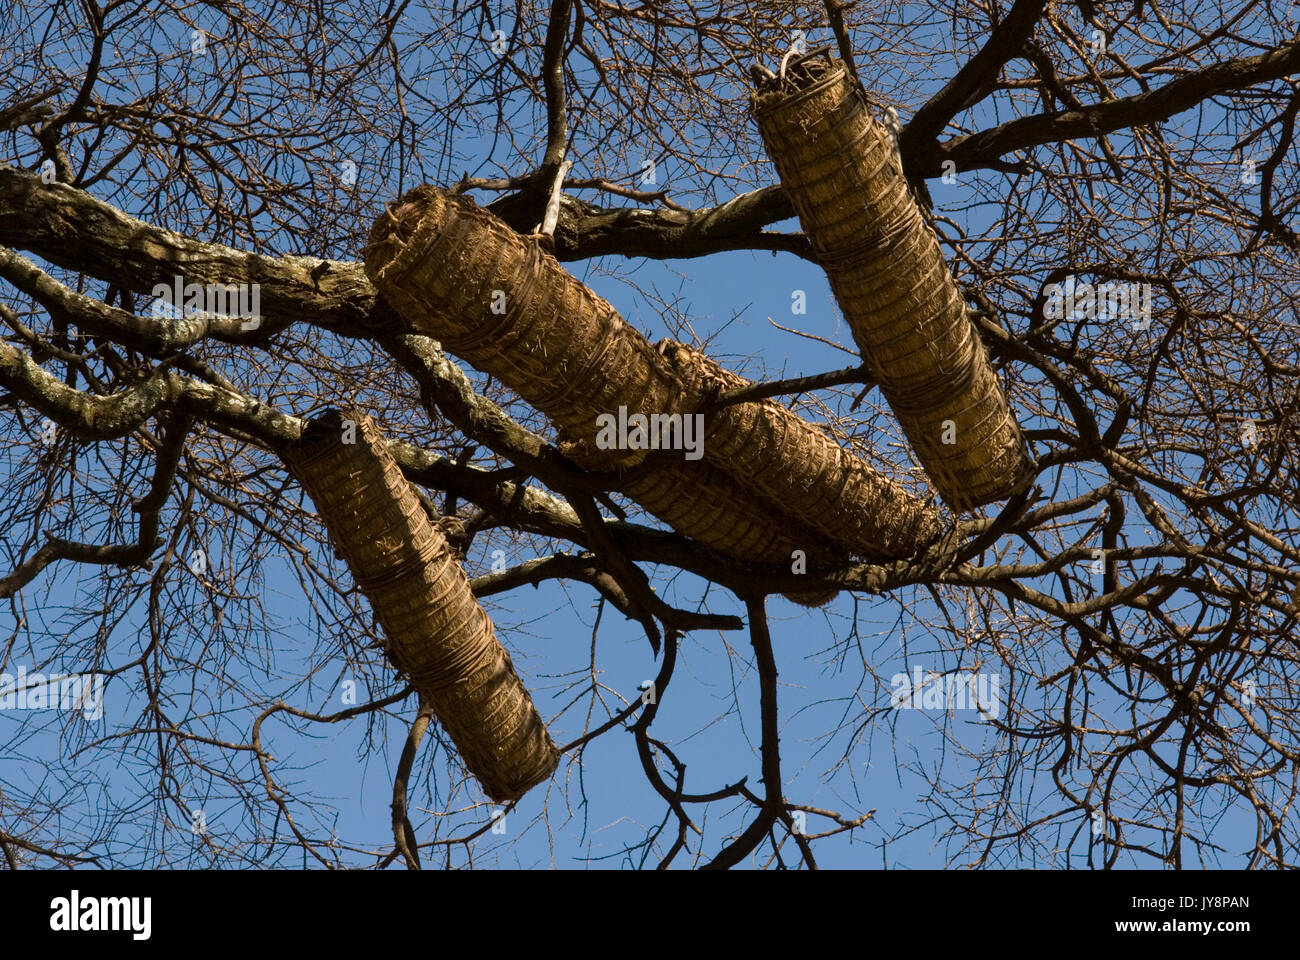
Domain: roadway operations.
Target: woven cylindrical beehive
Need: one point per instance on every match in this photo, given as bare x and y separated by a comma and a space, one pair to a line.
887, 271
497, 299
791, 462
493, 297
437, 633
708, 505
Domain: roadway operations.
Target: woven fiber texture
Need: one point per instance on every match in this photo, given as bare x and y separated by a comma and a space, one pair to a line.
495, 298
791, 462
437, 632
887, 271
708, 505
444, 263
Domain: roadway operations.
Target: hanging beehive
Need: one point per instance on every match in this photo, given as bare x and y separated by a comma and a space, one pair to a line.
707, 505
495, 298
771, 449
437, 633
840, 170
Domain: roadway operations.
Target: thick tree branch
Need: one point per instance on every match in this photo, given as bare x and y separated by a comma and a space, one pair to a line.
545, 184
73, 229
975, 79
148, 334
619, 543
103, 417
88, 416
835, 10
584, 231
985, 148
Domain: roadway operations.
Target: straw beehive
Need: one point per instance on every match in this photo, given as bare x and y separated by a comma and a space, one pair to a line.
436, 631
707, 505
841, 172
791, 462
496, 299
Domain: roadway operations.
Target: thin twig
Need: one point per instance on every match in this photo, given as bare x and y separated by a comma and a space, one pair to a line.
816, 381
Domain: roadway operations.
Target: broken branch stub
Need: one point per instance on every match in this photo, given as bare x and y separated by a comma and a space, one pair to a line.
841, 172
437, 633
